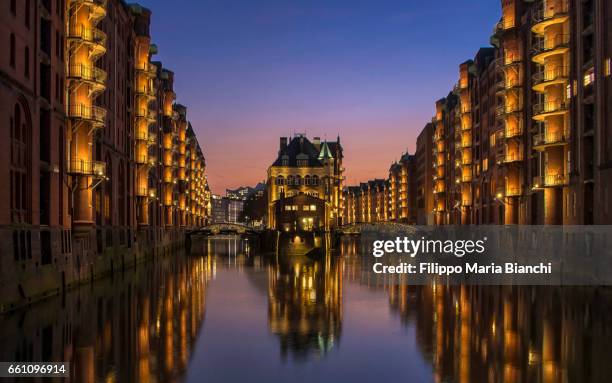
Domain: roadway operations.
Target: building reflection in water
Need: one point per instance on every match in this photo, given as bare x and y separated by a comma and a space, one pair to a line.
500, 333
134, 327
305, 304
304, 294
141, 326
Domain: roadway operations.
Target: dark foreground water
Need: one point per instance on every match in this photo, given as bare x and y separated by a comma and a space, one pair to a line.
230, 315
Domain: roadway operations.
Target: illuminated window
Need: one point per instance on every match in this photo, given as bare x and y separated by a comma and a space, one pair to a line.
589, 77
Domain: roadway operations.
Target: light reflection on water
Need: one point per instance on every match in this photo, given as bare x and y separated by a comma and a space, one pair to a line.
233, 315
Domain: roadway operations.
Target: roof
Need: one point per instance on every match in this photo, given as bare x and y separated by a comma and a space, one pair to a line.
300, 148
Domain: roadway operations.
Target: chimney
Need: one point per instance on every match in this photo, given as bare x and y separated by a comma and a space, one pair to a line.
316, 141
283, 143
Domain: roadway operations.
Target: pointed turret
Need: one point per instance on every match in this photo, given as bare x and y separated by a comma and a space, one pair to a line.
325, 152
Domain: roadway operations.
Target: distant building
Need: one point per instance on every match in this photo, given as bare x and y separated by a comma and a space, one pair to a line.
424, 176
219, 208
311, 168
245, 192
402, 190
226, 209
235, 207
241, 193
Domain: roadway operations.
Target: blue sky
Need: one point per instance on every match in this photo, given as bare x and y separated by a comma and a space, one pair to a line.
251, 71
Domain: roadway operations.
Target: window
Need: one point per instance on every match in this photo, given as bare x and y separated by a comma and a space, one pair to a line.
14, 7
19, 189
26, 62
27, 13
12, 51
302, 162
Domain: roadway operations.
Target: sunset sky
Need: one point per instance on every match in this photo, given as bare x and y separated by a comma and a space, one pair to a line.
252, 71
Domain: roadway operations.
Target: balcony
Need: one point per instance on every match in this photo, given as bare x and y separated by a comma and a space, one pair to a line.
512, 59
503, 110
145, 191
148, 114
546, 47
551, 76
509, 158
148, 69
513, 191
92, 114
94, 38
97, 8
544, 18
145, 90
549, 108
142, 159
505, 24
96, 77
87, 168
550, 181
438, 190
549, 138
514, 130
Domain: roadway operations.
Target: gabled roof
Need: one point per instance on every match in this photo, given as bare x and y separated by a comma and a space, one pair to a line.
300, 148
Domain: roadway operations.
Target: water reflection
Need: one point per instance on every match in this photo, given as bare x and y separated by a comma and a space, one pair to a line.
501, 333
135, 327
147, 324
305, 304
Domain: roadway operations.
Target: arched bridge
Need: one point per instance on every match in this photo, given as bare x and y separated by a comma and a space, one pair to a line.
225, 228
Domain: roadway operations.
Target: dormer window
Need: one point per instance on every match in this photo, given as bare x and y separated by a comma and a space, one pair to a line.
302, 159
285, 160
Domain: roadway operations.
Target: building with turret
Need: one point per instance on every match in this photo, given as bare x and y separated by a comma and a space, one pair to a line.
312, 168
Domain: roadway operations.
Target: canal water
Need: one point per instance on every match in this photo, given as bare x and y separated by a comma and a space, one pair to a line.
228, 314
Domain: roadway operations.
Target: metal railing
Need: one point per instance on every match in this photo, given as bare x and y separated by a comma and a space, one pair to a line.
146, 90
550, 137
551, 43
551, 180
551, 74
142, 159
510, 157
91, 113
512, 59
513, 191
506, 109
549, 13
146, 113
89, 168
505, 24
550, 107
514, 130
88, 34
87, 73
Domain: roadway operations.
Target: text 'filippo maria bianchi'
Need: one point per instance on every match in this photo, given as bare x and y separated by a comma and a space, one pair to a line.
455, 248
